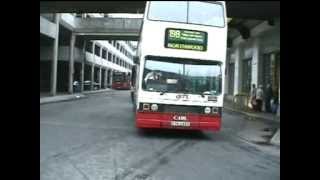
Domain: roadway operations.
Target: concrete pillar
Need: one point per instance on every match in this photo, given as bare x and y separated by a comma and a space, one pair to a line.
100, 69
54, 64
111, 77
100, 76
226, 82
106, 78
278, 110
83, 65
92, 66
238, 70
256, 62
71, 62
273, 65
92, 76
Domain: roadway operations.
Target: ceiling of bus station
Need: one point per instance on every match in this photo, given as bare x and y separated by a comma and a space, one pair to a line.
235, 9
237, 26
244, 14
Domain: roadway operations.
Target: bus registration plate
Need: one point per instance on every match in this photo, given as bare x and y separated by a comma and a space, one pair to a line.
180, 123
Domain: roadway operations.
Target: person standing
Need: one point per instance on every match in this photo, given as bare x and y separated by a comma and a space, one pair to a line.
274, 105
269, 97
259, 98
253, 96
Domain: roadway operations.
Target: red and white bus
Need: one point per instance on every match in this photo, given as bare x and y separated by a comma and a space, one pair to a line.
121, 80
179, 75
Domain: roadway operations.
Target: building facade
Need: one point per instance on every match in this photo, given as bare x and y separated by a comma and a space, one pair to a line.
255, 60
78, 61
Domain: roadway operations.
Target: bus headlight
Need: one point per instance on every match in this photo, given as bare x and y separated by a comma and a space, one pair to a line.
154, 107
146, 107
215, 110
207, 110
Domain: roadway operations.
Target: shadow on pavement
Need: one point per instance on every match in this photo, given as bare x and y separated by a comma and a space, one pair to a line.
177, 134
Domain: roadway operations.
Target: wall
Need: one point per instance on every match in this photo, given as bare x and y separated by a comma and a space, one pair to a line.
63, 53
265, 39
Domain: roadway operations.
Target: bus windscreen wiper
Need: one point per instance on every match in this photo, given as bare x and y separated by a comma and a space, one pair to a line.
206, 93
163, 91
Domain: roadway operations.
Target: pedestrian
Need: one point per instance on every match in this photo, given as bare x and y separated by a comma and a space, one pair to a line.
274, 105
253, 96
268, 98
259, 98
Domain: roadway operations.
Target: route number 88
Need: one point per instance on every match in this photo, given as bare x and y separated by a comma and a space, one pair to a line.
174, 34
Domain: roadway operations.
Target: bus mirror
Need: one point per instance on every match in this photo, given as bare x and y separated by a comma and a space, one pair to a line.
136, 59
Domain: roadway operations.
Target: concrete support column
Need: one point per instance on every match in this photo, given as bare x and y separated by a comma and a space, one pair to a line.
92, 66
111, 77
54, 64
83, 65
71, 62
106, 78
100, 68
278, 110
238, 70
255, 66
100, 76
226, 82
92, 76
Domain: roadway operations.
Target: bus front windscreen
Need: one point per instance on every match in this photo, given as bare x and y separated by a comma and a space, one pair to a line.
118, 78
182, 76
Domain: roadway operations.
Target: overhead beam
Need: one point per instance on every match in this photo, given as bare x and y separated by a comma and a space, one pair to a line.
260, 10
244, 31
235, 9
110, 36
238, 25
104, 28
47, 28
93, 6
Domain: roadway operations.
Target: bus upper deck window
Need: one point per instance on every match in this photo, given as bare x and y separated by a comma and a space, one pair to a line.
193, 12
206, 13
175, 11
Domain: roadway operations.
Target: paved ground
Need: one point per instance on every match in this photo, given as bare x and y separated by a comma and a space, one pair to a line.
95, 139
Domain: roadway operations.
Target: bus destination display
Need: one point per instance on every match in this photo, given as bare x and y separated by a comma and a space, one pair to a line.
186, 39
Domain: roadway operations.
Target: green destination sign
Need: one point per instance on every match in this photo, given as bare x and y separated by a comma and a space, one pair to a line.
186, 39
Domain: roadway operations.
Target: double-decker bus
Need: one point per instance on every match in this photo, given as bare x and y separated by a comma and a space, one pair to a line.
121, 80
179, 75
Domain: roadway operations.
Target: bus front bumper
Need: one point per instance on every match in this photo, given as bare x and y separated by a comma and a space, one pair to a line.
164, 120
120, 86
